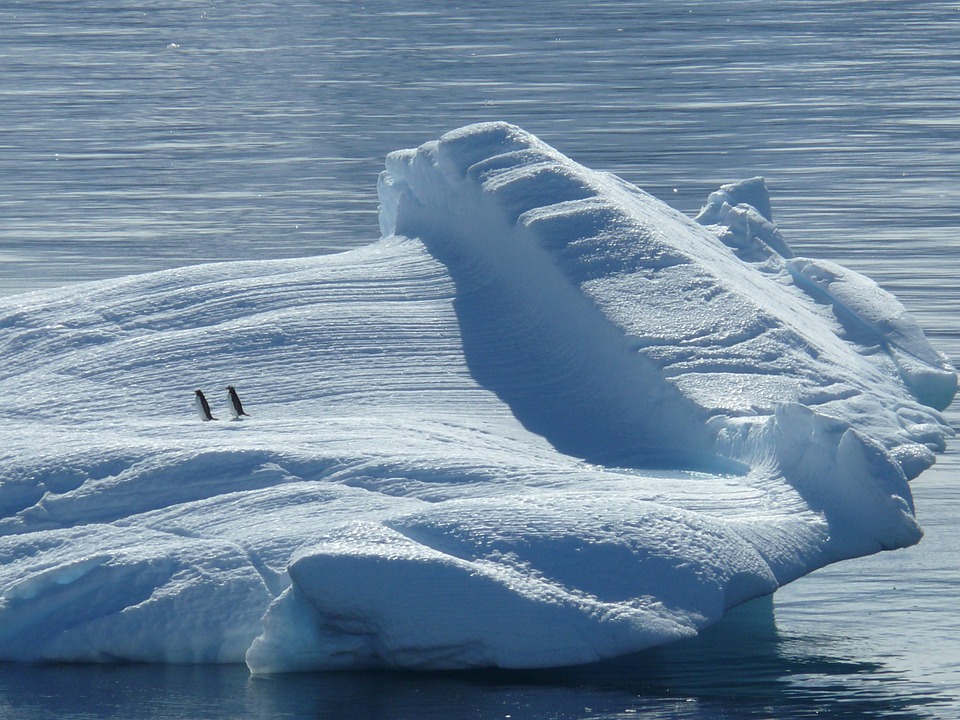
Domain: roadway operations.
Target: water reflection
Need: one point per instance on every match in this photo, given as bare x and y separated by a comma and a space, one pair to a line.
742, 668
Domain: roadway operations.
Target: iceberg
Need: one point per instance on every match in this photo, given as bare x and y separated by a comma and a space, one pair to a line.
543, 420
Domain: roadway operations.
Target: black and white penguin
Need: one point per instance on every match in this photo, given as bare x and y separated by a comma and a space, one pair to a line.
236, 409
203, 408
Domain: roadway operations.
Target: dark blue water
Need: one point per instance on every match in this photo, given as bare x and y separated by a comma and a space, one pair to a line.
143, 135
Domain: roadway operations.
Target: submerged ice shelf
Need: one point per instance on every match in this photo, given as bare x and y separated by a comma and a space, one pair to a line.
544, 420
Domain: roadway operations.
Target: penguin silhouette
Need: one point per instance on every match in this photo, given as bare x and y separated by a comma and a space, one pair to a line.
203, 408
236, 408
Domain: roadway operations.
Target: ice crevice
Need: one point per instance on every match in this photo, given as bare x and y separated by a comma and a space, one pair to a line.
544, 420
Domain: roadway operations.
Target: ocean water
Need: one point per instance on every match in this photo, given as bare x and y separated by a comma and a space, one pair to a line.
147, 135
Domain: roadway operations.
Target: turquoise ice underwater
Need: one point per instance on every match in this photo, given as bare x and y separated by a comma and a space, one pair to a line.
862, 182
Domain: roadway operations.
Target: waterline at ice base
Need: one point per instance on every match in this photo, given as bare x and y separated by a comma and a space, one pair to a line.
543, 421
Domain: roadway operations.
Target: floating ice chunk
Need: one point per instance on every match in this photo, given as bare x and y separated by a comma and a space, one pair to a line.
545, 419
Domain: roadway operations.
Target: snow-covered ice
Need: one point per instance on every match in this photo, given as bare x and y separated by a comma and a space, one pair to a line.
544, 420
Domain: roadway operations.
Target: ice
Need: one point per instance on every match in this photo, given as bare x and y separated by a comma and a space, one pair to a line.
860, 302
545, 419
743, 219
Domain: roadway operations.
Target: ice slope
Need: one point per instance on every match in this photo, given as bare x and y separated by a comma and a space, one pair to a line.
544, 420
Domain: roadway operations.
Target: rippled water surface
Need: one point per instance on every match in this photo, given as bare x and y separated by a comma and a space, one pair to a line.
140, 136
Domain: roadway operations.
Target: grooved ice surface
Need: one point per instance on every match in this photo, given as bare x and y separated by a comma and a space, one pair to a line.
544, 420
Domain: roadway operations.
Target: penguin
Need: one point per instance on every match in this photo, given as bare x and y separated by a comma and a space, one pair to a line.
202, 407
236, 409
